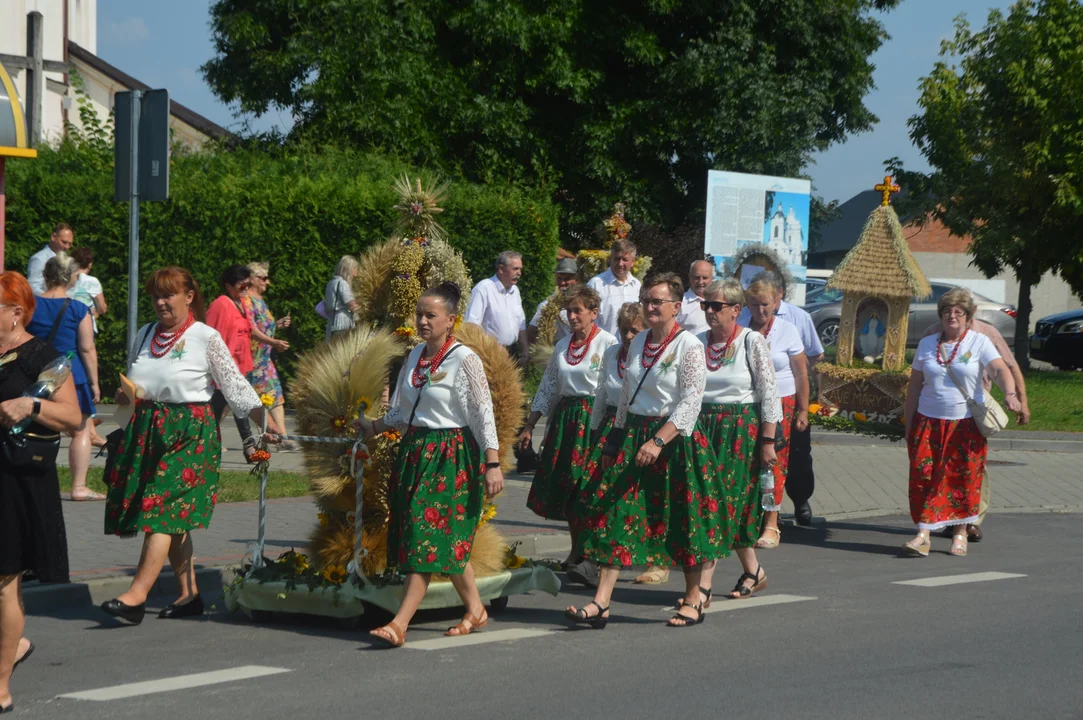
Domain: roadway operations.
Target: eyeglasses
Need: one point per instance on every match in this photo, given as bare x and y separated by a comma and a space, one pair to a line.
655, 302
715, 306
955, 312
259, 277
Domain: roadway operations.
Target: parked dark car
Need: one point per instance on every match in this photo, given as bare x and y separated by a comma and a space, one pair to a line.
825, 307
1058, 339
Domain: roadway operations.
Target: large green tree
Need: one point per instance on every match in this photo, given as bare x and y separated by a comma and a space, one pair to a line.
592, 100
1001, 124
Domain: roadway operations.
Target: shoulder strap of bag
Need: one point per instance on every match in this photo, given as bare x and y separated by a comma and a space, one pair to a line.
139, 346
748, 357
955, 381
56, 322
420, 390
648, 372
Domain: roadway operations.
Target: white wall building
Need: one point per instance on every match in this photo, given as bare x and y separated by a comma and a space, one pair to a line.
786, 236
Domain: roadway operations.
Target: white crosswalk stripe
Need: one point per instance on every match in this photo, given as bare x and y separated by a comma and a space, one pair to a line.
478, 638
726, 605
180, 682
942, 580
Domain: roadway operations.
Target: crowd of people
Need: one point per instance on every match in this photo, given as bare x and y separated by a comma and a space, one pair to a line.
675, 420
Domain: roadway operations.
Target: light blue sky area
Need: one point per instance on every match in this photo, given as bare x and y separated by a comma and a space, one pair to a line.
164, 43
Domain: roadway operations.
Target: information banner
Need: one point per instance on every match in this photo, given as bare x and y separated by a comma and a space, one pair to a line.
744, 209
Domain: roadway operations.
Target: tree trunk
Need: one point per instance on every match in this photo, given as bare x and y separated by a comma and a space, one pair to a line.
1022, 318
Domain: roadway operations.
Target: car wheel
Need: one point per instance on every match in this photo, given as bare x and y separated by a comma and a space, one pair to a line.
829, 332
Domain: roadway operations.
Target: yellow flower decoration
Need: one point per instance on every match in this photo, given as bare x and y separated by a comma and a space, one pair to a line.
267, 399
814, 408
860, 417
335, 574
340, 423
324, 519
487, 514
514, 561
364, 405
404, 331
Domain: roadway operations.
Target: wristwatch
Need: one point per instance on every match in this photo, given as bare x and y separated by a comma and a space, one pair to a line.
659, 441
492, 465
37, 409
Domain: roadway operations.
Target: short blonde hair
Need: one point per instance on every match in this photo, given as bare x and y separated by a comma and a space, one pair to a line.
346, 267
957, 296
259, 268
629, 314
730, 289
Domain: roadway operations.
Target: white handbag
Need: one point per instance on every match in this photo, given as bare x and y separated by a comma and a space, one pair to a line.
989, 416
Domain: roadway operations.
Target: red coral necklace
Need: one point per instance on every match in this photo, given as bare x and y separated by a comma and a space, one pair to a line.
426, 367
939, 358
716, 352
163, 341
653, 351
575, 353
622, 361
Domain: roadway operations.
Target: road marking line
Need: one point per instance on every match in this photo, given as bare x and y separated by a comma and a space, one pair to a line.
724, 604
181, 682
479, 638
958, 579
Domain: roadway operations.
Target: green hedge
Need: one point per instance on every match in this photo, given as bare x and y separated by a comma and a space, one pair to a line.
300, 211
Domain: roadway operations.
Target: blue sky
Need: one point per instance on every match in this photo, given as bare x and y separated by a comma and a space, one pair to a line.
164, 43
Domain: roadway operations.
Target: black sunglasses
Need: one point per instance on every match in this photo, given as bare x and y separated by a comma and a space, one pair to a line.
715, 306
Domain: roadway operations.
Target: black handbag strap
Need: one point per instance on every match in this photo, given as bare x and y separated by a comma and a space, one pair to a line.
648, 371
139, 346
56, 322
420, 390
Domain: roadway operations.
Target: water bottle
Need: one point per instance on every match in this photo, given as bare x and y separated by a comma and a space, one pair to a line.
767, 488
51, 377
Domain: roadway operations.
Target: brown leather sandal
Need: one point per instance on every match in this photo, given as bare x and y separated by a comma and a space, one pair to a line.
467, 625
394, 636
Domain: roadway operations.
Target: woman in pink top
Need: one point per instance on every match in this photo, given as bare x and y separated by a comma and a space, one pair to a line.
227, 316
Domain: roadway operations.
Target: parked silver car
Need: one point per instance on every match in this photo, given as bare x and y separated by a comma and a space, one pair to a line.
825, 307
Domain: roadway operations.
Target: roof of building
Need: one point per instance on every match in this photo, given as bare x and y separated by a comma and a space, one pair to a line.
182, 113
881, 263
841, 233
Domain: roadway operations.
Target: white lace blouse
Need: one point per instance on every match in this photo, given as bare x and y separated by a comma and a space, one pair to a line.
456, 396
673, 388
188, 372
608, 394
563, 379
747, 375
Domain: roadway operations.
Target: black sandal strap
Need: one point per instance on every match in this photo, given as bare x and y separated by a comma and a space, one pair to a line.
685, 620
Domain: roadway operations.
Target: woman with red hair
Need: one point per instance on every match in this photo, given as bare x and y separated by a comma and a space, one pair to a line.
32, 538
164, 481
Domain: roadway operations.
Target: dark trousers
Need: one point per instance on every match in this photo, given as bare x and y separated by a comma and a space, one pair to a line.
218, 405
800, 482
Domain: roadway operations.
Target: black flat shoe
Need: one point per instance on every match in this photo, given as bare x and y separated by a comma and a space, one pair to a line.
28, 653
189, 609
802, 514
6, 709
132, 613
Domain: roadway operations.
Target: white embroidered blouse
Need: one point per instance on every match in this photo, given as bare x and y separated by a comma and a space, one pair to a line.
747, 375
562, 379
608, 394
456, 396
188, 373
673, 388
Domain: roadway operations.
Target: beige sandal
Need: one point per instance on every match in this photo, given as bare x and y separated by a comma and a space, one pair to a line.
393, 635
918, 547
655, 575
766, 543
467, 625
959, 545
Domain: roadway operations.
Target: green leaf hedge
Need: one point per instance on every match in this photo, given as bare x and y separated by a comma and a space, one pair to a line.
299, 209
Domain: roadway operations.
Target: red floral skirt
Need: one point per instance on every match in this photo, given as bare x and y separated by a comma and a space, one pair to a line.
947, 462
782, 467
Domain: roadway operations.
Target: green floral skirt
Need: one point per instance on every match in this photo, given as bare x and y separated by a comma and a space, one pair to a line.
165, 476
631, 516
436, 494
560, 473
732, 431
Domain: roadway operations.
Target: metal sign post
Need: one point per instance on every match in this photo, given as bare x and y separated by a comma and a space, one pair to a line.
140, 171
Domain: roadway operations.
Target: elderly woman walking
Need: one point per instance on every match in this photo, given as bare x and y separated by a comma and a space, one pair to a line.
657, 493
947, 450
164, 480
68, 326
264, 375
566, 395
338, 299
33, 544
763, 296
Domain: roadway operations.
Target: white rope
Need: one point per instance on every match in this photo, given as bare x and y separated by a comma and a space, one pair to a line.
357, 469
257, 553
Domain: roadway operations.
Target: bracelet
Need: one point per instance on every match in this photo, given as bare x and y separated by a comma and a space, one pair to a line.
1010, 395
492, 465
37, 409
768, 438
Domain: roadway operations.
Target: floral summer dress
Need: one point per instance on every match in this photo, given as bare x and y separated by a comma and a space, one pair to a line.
264, 375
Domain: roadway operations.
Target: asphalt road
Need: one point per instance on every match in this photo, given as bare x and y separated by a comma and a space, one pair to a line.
833, 637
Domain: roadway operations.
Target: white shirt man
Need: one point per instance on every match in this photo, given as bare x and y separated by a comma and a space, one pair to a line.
616, 286
496, 304
60, 241
691, 317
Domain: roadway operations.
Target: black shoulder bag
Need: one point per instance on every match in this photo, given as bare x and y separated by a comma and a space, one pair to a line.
413, 413
35, 452
616, 435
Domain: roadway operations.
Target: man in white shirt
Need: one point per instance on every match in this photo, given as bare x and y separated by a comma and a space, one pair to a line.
61, 241
496, 305
691, 316
801, 481
567, 271
616, 286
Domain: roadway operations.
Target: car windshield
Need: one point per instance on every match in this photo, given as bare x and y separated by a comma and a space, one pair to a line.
823, 295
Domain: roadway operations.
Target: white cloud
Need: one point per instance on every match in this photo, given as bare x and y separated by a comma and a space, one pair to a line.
127, 33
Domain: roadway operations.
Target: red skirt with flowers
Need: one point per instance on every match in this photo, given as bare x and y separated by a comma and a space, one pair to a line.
674, 509
560, 472
782, 466
732, 430
947, 463
164, 478
435, 494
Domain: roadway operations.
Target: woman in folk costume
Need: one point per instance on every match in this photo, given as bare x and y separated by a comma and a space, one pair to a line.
657, 493
443, 407
739, 418
566, 396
